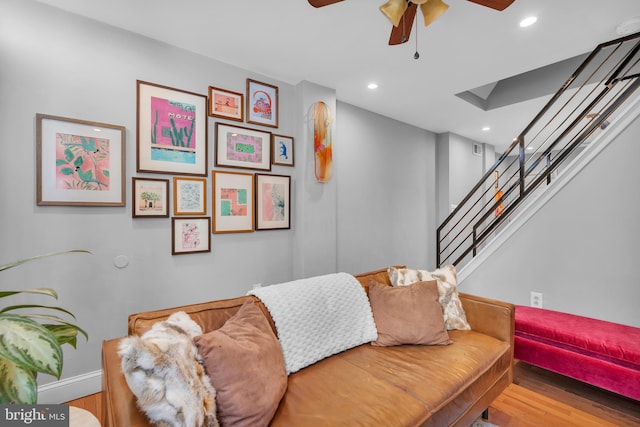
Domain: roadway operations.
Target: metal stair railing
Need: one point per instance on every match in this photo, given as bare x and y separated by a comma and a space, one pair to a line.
581, 109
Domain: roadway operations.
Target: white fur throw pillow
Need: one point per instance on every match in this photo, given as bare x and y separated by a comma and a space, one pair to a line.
163, 370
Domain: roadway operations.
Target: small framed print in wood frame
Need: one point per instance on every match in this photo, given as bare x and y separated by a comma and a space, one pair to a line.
189, 196
262, 103
273, 202
232, 202
226, 104
240, 147
190, 235
282, 150
79, 162
150, 198
172, 130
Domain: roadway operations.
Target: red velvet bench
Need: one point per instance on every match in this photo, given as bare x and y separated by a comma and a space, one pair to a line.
600, 353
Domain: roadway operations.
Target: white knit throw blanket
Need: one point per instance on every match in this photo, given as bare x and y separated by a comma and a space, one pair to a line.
318, 317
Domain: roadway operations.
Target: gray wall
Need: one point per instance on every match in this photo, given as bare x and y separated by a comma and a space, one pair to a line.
386, 192
315, 208
56, 63
581, 248
459, 169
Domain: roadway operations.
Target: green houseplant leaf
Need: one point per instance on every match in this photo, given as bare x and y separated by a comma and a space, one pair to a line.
18, 384
22, 261
44, 291
28, 346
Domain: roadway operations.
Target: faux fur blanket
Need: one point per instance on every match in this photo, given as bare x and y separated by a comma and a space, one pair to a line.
163, 370
318, 317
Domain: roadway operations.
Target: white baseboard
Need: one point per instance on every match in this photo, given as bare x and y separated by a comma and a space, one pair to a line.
70, 388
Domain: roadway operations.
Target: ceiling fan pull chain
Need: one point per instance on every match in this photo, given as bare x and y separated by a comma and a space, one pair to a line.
416, 55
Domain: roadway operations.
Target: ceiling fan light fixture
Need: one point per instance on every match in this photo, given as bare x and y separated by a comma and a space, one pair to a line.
393, 10
432, 9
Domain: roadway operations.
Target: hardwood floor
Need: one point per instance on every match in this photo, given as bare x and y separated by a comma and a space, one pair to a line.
536, 398
92, 403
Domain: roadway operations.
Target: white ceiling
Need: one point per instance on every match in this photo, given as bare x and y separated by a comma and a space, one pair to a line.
344, 46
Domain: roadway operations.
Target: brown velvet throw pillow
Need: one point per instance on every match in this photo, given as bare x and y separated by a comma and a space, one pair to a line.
245, 364
407, 314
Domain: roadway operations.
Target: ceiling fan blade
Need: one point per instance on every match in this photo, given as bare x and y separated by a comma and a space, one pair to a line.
401, 33
322, 3
494, 4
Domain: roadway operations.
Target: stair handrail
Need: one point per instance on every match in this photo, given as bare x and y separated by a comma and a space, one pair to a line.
473, 215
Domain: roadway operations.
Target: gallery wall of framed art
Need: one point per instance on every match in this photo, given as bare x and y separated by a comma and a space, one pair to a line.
82, 162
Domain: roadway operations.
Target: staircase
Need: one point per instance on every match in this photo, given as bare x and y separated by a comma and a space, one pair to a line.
575, 118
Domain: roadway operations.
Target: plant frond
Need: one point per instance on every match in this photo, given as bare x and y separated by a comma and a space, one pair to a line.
22, 261
48, 307
42, 291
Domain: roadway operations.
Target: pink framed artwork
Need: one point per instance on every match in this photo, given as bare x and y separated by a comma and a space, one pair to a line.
226, 104
273, 202
241, 147
190, 235
262, 103
79, 162
172, 130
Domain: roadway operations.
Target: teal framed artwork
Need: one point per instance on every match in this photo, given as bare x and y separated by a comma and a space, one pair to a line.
233, 204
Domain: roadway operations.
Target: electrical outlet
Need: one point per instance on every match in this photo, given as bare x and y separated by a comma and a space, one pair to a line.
536, 299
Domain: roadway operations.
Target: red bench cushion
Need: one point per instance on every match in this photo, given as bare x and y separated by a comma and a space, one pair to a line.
604, 340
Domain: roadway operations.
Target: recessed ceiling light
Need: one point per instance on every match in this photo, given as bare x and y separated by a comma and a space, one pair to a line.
486, 129
372, 85
528, 21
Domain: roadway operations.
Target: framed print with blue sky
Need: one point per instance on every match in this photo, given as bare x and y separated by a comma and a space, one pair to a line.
172, 130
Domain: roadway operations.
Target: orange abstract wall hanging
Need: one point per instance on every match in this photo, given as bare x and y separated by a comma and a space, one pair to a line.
322, 142
498, 196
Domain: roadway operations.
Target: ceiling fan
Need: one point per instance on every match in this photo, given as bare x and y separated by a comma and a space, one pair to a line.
401, 13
